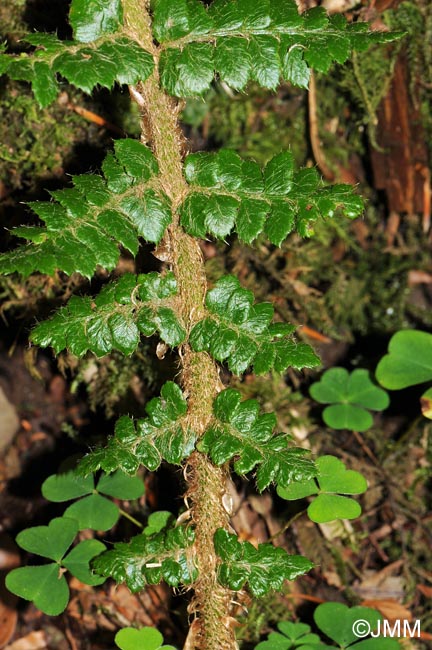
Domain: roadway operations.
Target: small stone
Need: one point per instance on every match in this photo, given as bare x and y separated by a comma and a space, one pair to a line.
9, 421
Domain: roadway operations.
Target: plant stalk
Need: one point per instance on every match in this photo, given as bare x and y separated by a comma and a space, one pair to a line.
211, 628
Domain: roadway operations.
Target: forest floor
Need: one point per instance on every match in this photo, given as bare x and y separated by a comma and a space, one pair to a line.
349, 289
381, 560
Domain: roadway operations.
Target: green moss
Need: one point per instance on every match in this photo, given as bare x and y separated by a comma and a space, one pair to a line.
255, 123
35, 141
12, 26
116, 378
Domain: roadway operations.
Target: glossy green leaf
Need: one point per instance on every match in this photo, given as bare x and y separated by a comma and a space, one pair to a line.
94, 512
264, 568
408, 362
147, 441
44, 585
239, 432
241, 333
77, 561
263, 41
44, 85
86, 224
187, 72
50, 541
90, 20
148, 559
295, 68
115, 318
157, 521
228, 192
101, 62
137, 160
350, 395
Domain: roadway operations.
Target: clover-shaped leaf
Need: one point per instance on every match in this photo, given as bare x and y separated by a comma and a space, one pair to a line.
46, 585
93, 510
50, 541
346, 625
350, 396
147, 638
333, 481
292, 636
408, 362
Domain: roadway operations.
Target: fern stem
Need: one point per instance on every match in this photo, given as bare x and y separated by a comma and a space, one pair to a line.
199, 374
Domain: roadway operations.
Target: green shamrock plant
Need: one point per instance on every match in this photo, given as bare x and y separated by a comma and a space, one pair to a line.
291, 636
46, 584
351, 396
345, 626
92, 510
408, 362
332, 483
146, 638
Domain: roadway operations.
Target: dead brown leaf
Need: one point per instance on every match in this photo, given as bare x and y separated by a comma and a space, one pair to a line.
389, 608
33, 641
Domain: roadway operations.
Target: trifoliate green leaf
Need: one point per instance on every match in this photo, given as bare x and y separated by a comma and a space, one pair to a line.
241, 333
46, 585
148, 559
239, 432
93, 511
86, 224
228, 192
114, 320
291, 636
263, 568
350, 395
333, 480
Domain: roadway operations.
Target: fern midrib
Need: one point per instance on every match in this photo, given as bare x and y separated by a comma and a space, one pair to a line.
273, 32
199, 374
